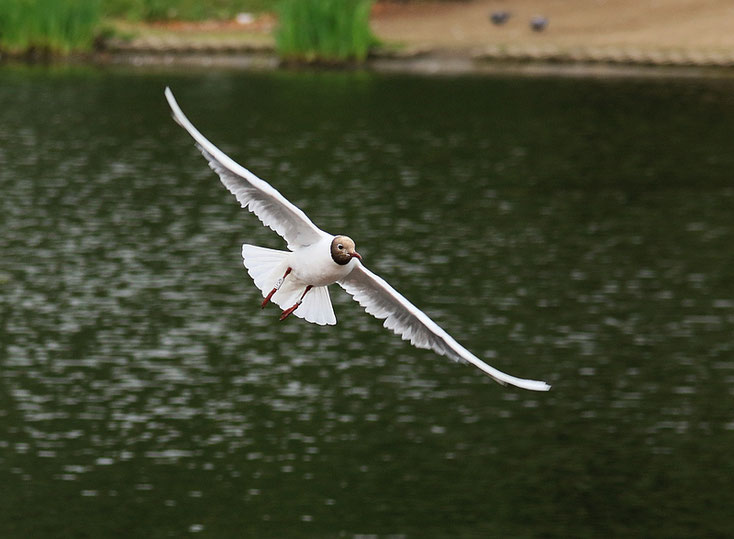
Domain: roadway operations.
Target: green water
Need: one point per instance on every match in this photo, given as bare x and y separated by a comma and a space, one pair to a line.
575, 231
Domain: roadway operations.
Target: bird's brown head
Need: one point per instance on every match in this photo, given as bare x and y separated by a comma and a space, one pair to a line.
342, 250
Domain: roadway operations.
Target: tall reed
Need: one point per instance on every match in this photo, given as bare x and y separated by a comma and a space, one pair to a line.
324, 30
59, 26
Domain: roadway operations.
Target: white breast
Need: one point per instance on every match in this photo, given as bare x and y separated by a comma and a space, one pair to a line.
314, 266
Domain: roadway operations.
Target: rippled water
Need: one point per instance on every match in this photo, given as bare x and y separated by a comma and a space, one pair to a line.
579, 232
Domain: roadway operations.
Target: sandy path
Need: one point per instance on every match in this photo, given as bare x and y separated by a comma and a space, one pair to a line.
646, 24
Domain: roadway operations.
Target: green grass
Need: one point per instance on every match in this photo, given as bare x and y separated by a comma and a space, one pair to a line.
188, 10
58, 26
310, 30
324, 30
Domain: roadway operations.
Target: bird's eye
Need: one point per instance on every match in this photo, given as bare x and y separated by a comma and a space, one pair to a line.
340, 247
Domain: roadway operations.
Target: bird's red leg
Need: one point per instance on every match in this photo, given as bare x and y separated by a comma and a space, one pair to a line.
285, 314
278, 284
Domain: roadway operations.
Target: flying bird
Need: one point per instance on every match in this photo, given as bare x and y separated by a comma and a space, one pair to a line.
297, 280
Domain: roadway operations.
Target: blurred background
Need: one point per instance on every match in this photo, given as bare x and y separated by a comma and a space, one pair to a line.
662, 32
575, 229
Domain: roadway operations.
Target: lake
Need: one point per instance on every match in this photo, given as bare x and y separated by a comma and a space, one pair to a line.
577, 231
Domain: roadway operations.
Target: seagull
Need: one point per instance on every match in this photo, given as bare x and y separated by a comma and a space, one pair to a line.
297, 280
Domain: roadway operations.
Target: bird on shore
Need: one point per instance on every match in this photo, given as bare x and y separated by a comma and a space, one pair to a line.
539, 23
499, 17
297, 280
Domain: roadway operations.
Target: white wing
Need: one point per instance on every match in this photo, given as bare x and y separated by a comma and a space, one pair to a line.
272, 208
382, 301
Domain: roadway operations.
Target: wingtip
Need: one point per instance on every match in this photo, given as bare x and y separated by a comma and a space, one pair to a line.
176, 111
532, 385
507, 379
169, 96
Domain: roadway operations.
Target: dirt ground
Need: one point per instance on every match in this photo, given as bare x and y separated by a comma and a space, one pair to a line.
673, 33
646, 24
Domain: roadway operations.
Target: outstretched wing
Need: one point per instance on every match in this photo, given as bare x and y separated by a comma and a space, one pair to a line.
258, 196
382, 301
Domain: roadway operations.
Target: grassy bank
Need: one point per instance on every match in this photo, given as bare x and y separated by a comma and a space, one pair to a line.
64, 26
309, 30
324, 30
48, 25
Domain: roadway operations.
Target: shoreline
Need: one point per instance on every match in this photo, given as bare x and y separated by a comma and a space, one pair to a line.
594, 63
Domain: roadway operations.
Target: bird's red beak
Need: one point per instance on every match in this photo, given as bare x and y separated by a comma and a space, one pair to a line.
355, 254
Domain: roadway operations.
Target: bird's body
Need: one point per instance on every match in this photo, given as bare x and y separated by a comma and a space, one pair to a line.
311, 266
297, 280
315, 265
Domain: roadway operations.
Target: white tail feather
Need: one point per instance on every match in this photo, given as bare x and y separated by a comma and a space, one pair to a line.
267, 266
316, 307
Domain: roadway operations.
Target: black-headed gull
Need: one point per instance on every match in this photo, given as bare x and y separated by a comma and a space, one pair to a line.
298, 279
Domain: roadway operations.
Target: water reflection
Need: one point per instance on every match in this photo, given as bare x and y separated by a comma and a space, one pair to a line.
137, 368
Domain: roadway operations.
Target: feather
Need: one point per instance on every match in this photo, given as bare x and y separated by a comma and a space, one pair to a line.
383, 302
254, 194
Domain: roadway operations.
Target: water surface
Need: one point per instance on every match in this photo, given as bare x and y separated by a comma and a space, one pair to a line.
576, 231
